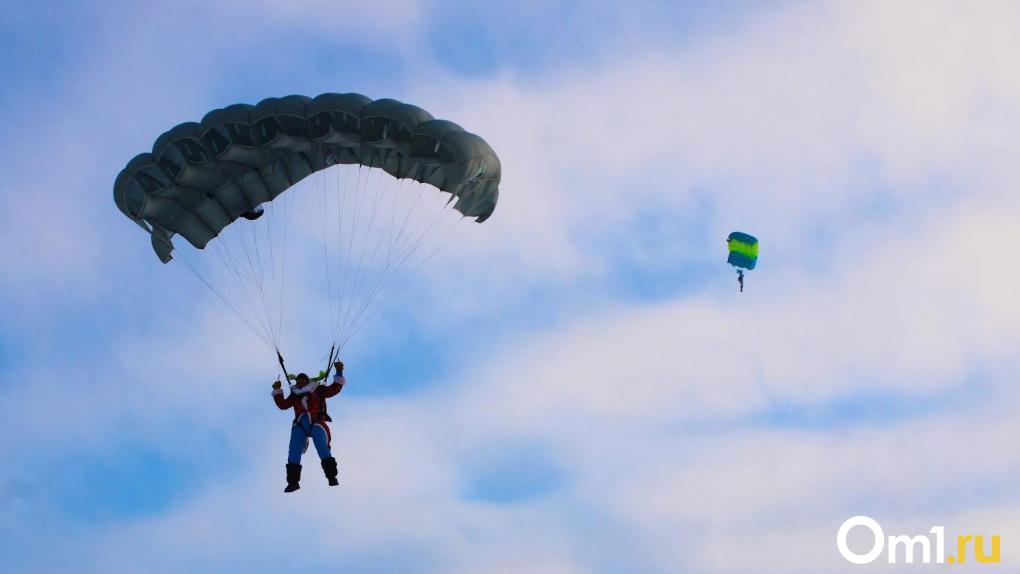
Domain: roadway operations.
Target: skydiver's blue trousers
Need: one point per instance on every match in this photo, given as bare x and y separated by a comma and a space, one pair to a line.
300, 432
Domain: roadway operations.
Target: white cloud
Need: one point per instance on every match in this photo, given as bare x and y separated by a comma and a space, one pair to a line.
808, 117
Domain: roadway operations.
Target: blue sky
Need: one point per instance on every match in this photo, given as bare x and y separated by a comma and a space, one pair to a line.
577, 386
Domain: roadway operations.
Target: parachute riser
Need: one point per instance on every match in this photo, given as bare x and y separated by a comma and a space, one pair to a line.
283, 367
329, 363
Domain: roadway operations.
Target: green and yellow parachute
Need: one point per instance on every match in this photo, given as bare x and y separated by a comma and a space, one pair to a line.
743, 250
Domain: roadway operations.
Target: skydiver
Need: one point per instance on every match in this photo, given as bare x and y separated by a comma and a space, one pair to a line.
308, 398
740, 279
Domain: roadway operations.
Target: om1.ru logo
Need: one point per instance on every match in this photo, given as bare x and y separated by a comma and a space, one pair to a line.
913, 545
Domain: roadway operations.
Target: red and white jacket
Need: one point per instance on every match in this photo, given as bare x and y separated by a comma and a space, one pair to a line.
309, 400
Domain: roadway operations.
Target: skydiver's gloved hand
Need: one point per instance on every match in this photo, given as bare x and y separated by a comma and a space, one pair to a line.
339, 366
277, 385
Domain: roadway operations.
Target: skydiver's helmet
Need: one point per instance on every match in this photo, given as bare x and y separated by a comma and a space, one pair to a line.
302, 379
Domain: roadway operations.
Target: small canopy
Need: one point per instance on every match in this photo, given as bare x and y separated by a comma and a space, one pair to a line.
743, 250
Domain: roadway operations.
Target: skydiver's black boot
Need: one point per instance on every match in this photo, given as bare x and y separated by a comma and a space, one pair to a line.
329, 467
293, 477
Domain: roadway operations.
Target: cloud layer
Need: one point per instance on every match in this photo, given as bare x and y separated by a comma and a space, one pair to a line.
566, 421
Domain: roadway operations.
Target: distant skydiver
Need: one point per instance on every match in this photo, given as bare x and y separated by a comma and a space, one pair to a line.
743, 250
308, 398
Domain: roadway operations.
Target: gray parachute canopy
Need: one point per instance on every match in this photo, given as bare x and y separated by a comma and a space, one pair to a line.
201, 177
